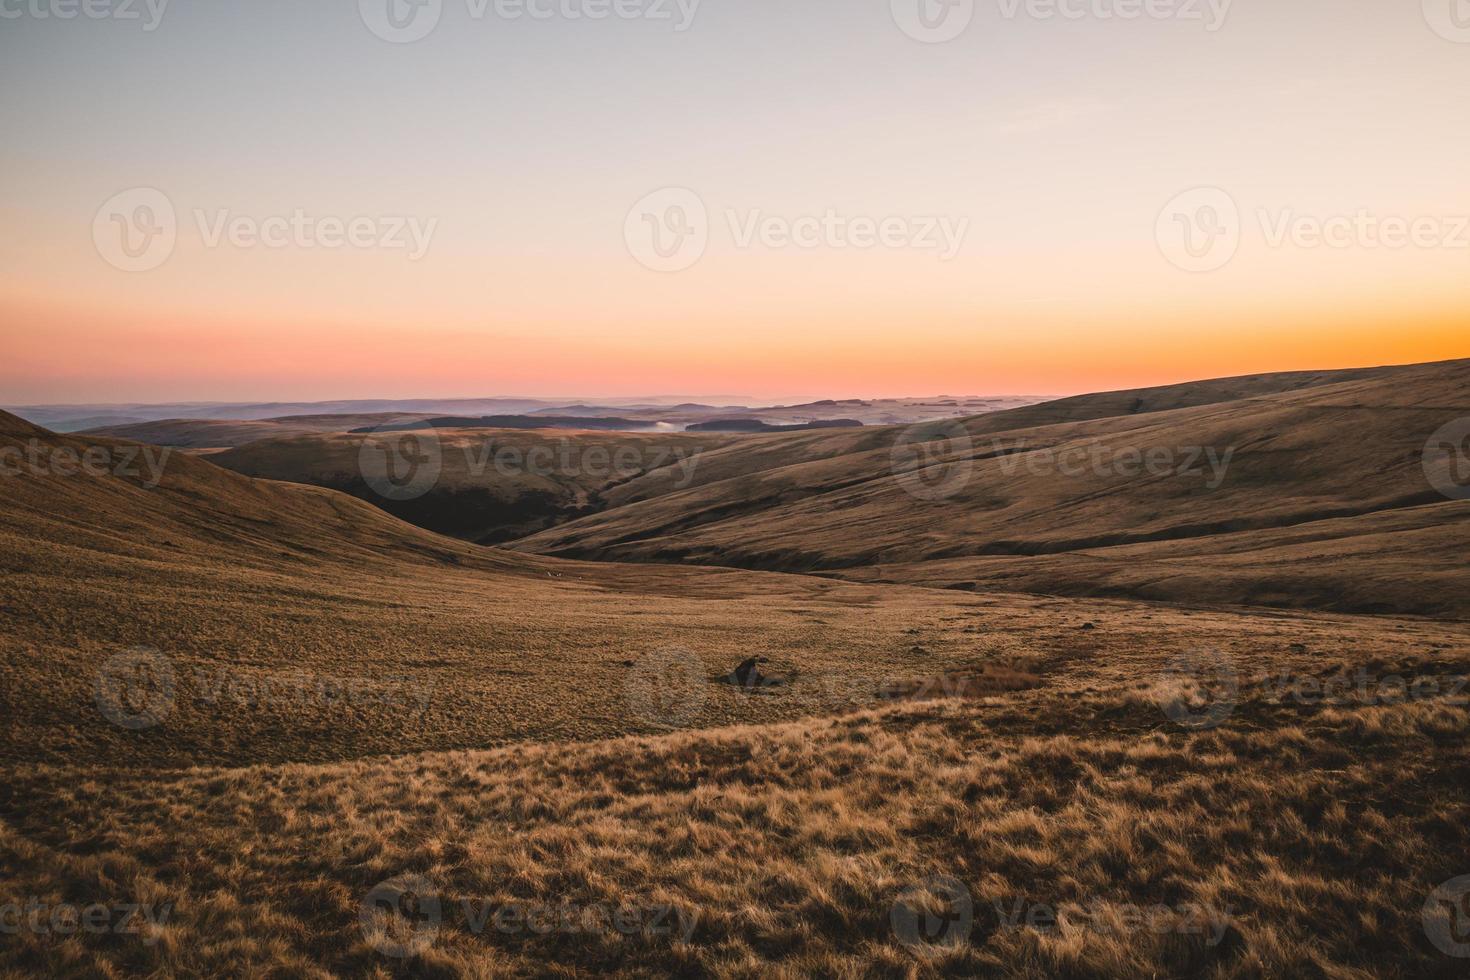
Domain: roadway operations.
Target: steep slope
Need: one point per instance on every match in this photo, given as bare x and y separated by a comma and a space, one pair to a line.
1165, 398
752, 456
1273, 461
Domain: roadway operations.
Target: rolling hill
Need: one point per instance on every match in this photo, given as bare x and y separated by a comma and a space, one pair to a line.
259, 711
1178, 486
406, 640
489, 485
225, 434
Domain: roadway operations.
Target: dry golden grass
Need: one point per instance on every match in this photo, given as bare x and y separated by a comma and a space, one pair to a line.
1307, 840
1329, 480
518, 763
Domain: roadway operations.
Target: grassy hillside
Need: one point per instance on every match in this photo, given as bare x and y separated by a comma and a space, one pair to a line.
220, 433
1069, 832
257, 710
1407, 560
1177, 478
300, 623
492, 485
751, 456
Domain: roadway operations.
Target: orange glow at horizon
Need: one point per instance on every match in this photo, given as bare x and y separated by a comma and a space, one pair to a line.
183, 357
1053, 148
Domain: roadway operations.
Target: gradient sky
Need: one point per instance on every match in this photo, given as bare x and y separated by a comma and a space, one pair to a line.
530, 140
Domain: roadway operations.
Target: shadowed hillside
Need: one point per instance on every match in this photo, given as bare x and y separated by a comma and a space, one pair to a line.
219, 433
487, 485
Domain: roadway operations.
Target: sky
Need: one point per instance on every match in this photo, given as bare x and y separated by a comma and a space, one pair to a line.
215, 200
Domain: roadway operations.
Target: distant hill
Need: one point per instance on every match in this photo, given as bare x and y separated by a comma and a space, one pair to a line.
214, 433
491, 484
610, 424
1335, 451
755, 425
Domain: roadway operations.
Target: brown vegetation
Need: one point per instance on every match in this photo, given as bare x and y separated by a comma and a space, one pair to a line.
1326, 473
260, 709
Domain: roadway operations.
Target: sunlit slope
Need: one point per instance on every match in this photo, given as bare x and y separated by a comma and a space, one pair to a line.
1410, 560
795, 850
757, 454
1264, 462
